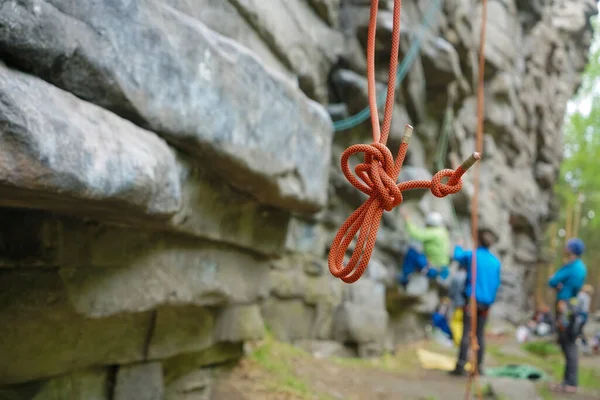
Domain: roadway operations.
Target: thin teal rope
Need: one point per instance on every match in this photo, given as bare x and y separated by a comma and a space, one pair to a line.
442, 151
415, 48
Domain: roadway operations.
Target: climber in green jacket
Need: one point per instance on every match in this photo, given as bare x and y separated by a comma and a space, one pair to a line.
435, 258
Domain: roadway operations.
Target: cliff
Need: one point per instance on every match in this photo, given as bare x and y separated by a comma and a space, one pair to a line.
170, 176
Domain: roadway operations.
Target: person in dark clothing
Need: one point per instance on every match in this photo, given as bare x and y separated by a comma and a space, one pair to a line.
568, 281
541, 324
584, 301
486, 288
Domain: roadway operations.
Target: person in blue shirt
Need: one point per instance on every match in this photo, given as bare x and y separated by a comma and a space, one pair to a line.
486, 288
567, 282
569, 279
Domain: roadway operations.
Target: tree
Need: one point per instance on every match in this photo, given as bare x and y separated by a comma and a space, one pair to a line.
578, 188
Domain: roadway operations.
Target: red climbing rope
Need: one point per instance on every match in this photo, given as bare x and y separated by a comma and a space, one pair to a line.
474, 207
376, 176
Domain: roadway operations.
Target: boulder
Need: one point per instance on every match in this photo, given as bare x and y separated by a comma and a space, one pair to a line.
287, 284
306, 237
116, 172
366, 293
502, 28
525, 249
545, 174
288, 320
351, 87
36, 306
223, 18
324, 321
239, 323
324, 289
212, 209
405, 327
328, 10
325, 348
377, 272
195, 385
109, 271
88, 384
266, 137
357, 323
303, 40
139, 381
178, 330
63, 154
177, 367
59, 340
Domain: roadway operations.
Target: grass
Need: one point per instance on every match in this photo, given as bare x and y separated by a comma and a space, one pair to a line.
542, 349
277, 359
279, 362
404, 361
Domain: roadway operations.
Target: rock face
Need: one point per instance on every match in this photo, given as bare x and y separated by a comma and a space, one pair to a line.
171, 184
202, 91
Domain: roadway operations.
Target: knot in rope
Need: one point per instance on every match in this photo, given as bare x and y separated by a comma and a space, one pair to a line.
453, 186
377, 174
376, 177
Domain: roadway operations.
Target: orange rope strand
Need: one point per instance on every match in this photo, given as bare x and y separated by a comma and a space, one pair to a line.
475, 204
377, 175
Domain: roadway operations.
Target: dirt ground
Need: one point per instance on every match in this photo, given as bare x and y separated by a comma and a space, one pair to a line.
280, 372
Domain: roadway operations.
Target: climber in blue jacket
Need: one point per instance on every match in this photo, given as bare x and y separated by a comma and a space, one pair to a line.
486, 287
568, 281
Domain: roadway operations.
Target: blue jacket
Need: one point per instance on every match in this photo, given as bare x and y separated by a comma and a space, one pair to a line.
572, 276
488, 274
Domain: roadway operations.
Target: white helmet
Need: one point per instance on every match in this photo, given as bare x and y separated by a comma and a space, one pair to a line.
434, 219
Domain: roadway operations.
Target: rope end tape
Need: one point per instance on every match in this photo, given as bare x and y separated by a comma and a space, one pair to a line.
408, 130
469, 162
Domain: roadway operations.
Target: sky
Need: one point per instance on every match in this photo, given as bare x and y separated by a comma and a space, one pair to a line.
584, 104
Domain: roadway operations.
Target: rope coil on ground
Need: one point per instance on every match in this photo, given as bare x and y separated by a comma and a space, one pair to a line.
377, 175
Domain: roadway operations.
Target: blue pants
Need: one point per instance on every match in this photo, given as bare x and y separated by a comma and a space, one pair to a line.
415, 261
440, 322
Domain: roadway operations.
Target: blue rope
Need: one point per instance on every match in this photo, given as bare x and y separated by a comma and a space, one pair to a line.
415, 48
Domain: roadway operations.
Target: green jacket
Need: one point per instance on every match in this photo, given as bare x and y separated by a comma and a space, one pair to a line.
436, 243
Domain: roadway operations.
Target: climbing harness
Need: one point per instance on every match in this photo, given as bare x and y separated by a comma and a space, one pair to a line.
475, 204
377, 175
413, 52
569, 320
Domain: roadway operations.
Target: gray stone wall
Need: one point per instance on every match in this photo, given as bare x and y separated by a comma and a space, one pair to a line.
170, 177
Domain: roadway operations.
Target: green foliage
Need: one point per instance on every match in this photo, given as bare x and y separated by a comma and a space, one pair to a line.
277, 359
580, 171
542, 349
580, 168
